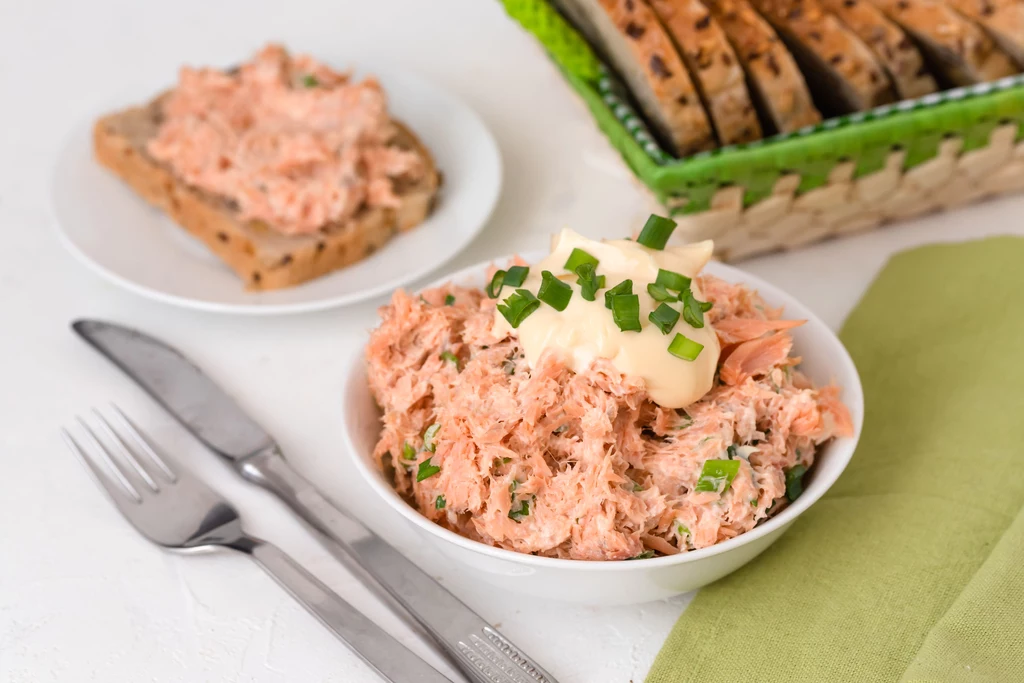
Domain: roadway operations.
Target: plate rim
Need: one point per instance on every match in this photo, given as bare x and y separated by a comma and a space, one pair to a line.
78, 132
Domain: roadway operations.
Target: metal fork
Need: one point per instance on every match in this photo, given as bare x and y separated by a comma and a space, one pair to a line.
175, 510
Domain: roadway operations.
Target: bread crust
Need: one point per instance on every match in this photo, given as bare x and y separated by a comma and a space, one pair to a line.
261, 257
777, 87
713, 66
1002, 19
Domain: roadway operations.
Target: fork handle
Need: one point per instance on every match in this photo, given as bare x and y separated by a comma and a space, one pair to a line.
389, 658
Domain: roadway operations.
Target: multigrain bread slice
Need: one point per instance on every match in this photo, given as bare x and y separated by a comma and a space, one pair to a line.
955, 49
262, 258
1003, 19
891, 45
629, 37
714, 68
777, 87
842, 72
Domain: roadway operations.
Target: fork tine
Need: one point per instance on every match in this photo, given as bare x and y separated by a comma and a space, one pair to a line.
117, 493
131, 481
126, 453
143, 444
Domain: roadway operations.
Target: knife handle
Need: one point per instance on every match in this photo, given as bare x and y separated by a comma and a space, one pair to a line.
480, 651
389, 658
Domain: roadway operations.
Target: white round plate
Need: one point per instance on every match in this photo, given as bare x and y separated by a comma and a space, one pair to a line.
123, 238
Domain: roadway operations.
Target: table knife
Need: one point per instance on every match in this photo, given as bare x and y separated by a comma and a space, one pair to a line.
213, 417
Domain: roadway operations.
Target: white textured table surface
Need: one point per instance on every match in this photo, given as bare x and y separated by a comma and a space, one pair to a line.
82, 596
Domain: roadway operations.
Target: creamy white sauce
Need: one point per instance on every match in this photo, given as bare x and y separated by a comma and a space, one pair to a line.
585, 330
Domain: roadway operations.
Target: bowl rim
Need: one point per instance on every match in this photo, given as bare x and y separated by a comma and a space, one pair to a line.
845, 446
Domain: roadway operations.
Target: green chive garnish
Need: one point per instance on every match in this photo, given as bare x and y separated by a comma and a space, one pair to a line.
310, 81
577, 258
624, 287
715, 473
516, 276
656, 232
795, 481
626, 312
439, 503
408, 452
659, 293
428, 437
693, 310
518, 307
426, 470
669, 279
589, 281
451, 358
449, 299
664, 317
645, 555
553, 291
685, 348
517, 513
682, 529
494, 287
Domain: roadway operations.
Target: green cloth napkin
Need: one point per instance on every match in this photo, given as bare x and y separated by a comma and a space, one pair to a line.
911, 568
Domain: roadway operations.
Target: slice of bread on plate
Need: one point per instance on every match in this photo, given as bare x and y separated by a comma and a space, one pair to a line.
714, 67
261, 257
1003, 19
891, 45
842, 72
956, 50
777, 87
629, 37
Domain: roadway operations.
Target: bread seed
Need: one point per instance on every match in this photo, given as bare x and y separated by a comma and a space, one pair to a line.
773, 65
222, 236
320, 246
285, 260
658, 67
634, 31
703, 22
835, 59
256, 277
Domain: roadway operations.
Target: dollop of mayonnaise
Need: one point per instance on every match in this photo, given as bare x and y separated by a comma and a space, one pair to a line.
585, 330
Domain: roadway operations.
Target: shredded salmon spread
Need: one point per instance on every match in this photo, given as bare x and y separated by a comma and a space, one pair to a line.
290, 141
583, 465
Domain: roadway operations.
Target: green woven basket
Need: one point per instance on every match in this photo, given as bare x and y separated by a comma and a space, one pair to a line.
916, 130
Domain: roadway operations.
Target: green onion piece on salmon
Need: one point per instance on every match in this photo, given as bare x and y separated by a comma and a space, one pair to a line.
684, 347
717, 475
795, 481
553, 291
426, 470
516, 276
429, 436
518, 307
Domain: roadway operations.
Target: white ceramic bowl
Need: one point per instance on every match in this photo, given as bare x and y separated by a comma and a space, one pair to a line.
625, 582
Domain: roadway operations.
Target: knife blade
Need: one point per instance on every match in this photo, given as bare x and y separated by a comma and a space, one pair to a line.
203, 408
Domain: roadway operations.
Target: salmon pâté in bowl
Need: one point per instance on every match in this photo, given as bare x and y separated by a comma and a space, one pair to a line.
613, 422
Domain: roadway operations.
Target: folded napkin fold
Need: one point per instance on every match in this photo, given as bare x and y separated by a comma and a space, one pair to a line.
911, 568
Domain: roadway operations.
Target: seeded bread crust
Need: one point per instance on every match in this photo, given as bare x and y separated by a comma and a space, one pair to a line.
714, 67
956, 50
629, 37
894, 50
262, 258
1002, 19
776, 86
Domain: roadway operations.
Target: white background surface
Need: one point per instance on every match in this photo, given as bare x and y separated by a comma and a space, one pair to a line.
82, 596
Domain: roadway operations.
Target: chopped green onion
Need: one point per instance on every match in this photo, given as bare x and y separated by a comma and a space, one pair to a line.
517, 514
553, 291
449, 299
664, 317
428, 437
506, 461
715, 473
589, 281
516, 276
645, 555
656, 232
685, 348
669, 279
795, 481
310, 81
451, 358
659, 293
681, 529
408, 452
624, 287
439, 503
426, 470
693, 310
626, 312
518, 307
732, 452
496, 283
637, 487
577, 258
